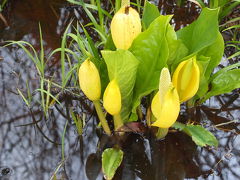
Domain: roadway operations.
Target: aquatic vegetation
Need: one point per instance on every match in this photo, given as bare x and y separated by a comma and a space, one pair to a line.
183, 60
132, 64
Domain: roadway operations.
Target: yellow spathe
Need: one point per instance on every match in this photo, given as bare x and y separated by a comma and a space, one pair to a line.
112, 98
125, 26
186, 79
169, 109
156, 105
89, 80
165, 104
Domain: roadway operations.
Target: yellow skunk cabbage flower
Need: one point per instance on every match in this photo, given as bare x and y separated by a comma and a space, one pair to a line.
165, 104
89, 80
186, 79
112, 98
125, 26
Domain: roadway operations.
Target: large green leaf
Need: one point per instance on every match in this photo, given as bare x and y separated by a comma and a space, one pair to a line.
151, 49
111, 160
201, 33
215, 52
103, 75
122, 66
175, 46
208, 59
225, 82
150, 13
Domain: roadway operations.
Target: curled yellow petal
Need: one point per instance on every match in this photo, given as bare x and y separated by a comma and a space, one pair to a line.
186, 79
176, 74
125, 26
112, 98
89, 80
156, 105
170, 109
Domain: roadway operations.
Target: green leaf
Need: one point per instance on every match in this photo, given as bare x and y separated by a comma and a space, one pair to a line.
215, 52
237, 54
225, 82
201, 33
103, 75
150, 13
232, 27
176, 47
109, 44
122, 66
111, 160
200, 135
203, 63
23, 97
150, 48
78, 122
208, 59
224, 70
227, 9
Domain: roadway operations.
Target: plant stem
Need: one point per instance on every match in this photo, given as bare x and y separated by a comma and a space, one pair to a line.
162, 132
125, 3
139, 112
117, 121
148, 117
63, 138
102, 117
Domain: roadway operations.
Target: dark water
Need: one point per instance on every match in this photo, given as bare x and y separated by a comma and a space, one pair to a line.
31, 150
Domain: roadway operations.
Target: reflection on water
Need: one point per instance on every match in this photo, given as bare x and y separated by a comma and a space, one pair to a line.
30, 143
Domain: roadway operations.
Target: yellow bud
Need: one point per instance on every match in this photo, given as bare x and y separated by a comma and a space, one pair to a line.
186, 79
125, 26
167, 112
112, 98
89, 80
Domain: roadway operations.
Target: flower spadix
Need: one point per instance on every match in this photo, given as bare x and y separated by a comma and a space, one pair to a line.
165, 104
186, 79
89, 80
125, 26
112, 98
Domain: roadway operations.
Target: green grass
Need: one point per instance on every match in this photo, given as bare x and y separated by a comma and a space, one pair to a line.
232, 27
2, 5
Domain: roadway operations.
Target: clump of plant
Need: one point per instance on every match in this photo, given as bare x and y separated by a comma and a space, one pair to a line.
144, 58
169, 68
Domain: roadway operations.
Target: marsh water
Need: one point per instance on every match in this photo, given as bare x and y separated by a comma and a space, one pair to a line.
30, 143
